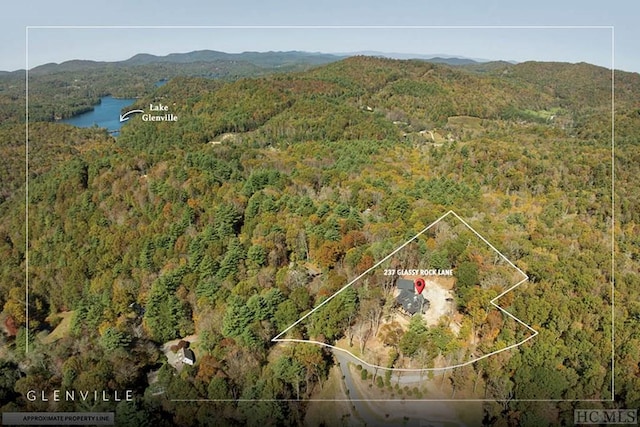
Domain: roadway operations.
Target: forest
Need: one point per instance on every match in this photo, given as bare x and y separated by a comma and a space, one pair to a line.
60, 91
273, 191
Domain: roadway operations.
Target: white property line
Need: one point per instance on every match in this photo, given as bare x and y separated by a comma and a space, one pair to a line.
534, 332
612, 160
276, 338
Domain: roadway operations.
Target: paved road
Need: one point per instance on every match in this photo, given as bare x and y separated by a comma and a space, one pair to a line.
372, 414
366, 414
401, 377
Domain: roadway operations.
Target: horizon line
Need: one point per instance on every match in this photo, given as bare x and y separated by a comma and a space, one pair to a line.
342, 55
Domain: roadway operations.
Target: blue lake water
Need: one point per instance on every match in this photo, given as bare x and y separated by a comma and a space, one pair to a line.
104, 115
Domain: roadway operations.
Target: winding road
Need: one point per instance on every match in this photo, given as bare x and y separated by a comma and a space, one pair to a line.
373, 413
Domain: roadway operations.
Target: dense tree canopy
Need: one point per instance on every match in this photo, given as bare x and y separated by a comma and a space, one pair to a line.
270, 194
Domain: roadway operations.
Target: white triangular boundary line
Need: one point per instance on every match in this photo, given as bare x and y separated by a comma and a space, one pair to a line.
534, 332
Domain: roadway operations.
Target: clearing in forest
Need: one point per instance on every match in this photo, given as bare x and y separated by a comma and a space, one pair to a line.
431, 304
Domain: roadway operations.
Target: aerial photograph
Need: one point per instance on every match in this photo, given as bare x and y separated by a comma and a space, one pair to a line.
321, 226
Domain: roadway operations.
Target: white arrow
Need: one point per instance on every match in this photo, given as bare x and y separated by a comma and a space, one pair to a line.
123, 117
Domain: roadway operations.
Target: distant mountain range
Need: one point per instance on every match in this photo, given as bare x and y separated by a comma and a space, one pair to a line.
271, 59
264, 59
441, 58
267, 60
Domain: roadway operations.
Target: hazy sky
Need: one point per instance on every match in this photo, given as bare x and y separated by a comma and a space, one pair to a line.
592, 45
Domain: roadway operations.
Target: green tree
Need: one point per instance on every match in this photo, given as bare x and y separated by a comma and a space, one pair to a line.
113, 339
466, 278
133, 414
415, 338
256, 256
232, 259
286, 314
218, 389
240, 322
291, 372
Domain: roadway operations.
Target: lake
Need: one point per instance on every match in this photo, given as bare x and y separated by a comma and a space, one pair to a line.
104, 115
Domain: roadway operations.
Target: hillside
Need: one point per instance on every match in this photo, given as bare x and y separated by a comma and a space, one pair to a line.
260, 59
270, 193
58, 91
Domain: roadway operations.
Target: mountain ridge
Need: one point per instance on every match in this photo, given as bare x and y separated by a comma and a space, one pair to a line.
266, 58
263, 59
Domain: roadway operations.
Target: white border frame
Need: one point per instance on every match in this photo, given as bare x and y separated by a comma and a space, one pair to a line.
610, 27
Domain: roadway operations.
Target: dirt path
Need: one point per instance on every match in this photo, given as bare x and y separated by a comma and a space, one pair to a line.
440, 302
